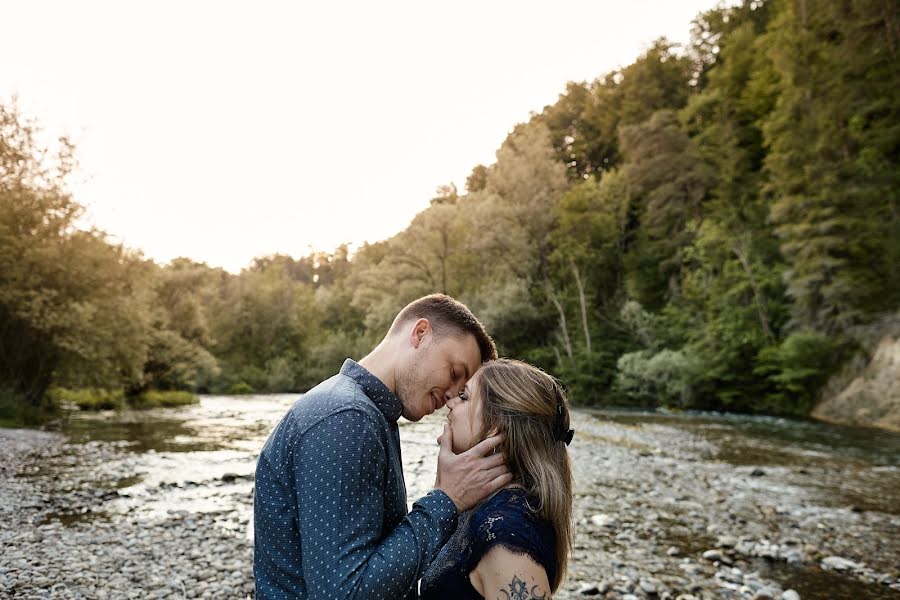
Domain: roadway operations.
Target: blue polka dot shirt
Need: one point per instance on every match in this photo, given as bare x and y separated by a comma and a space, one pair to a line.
330, 512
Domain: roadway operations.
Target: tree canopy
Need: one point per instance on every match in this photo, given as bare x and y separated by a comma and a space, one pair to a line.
709, 227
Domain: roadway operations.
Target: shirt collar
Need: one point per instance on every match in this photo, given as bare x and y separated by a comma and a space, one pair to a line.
375, 389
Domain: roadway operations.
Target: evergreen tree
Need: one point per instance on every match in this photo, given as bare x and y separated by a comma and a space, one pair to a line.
834, 137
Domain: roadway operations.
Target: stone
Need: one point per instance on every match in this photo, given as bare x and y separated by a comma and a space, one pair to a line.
726, 541
757, 472
712, 555
589, 589
754, 584
790, 595
729, 576
673, 551
837, 563
745, 547
603, 520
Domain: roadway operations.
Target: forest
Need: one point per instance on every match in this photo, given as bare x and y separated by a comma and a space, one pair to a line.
715, 226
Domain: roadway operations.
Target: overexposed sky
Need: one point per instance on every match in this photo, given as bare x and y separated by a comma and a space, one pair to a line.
224, 130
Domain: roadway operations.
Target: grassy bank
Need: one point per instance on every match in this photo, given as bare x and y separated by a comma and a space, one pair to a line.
16, 412
102, 399
165, 399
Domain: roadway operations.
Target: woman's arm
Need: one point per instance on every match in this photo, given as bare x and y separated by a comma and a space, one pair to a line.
505, 575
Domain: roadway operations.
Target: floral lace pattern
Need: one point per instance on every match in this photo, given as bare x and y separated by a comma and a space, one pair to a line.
505, 519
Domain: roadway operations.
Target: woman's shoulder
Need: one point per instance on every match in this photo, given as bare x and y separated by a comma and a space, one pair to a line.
510, 519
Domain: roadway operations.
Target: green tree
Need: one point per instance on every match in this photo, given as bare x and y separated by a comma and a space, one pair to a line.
262, 319
72, 306
668, 182
832, 166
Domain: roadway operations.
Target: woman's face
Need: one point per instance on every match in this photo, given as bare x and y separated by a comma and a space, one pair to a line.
464, 417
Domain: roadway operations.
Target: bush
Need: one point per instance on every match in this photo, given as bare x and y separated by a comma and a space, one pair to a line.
798, 367
281, 373
89, 398
162, 399
15, 411
664, 378
240, 388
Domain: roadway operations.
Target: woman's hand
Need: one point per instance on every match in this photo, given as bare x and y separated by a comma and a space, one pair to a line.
475, 474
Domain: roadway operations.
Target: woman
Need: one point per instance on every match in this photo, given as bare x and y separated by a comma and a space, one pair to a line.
515, 544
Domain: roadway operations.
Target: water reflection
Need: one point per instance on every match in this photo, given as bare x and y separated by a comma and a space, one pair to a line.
217, 422
196, 458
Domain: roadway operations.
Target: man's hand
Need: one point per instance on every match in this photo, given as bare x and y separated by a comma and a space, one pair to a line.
469, 477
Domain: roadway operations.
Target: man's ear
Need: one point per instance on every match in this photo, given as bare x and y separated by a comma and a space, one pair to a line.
421, 330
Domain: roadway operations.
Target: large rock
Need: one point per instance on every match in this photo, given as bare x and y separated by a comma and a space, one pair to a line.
838, 563
872, 398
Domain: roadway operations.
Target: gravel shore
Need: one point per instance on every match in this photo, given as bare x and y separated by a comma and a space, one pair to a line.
656, 517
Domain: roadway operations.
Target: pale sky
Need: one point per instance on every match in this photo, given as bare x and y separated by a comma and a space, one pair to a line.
224, 131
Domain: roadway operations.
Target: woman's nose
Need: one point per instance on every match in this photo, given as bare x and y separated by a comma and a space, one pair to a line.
452, 402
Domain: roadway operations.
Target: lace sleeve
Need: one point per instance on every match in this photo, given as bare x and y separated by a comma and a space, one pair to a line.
514, 527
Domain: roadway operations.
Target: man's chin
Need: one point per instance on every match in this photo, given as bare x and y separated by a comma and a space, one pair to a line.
412, 417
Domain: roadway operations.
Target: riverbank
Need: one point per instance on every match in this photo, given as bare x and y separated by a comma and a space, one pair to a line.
662, 510
867, 394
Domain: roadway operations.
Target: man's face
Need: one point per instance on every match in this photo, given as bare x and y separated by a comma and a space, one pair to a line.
464, 417
437, 371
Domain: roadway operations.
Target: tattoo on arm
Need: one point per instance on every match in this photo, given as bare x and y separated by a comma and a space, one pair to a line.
517, 590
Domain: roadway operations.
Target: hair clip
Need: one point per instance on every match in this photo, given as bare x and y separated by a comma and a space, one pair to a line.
560, 433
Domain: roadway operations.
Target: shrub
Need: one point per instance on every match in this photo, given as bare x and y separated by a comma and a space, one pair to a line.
281, 373
164, 399
798, 367
89, 398
15, 411
664, 378
239, 388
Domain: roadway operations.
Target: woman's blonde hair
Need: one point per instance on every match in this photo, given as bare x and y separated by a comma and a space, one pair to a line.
523, 402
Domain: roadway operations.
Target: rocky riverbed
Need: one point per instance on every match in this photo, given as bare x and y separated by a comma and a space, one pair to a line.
158, 504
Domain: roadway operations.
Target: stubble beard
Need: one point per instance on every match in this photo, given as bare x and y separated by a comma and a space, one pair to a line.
406, 390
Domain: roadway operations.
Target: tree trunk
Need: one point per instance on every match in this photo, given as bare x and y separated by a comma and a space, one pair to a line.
564, 328
757, 293
581, 300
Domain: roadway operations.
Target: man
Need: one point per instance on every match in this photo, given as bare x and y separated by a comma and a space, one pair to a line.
330, 506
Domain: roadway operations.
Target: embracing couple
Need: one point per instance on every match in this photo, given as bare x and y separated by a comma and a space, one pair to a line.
330, 511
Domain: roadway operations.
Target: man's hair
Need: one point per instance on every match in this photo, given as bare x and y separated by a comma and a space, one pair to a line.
446, 315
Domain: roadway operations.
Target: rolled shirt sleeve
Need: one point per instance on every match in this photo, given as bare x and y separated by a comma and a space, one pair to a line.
339, 469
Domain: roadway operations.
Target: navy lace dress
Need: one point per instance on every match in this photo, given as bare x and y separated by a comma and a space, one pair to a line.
505, 519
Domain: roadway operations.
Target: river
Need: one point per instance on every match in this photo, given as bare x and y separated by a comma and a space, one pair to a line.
158, 503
